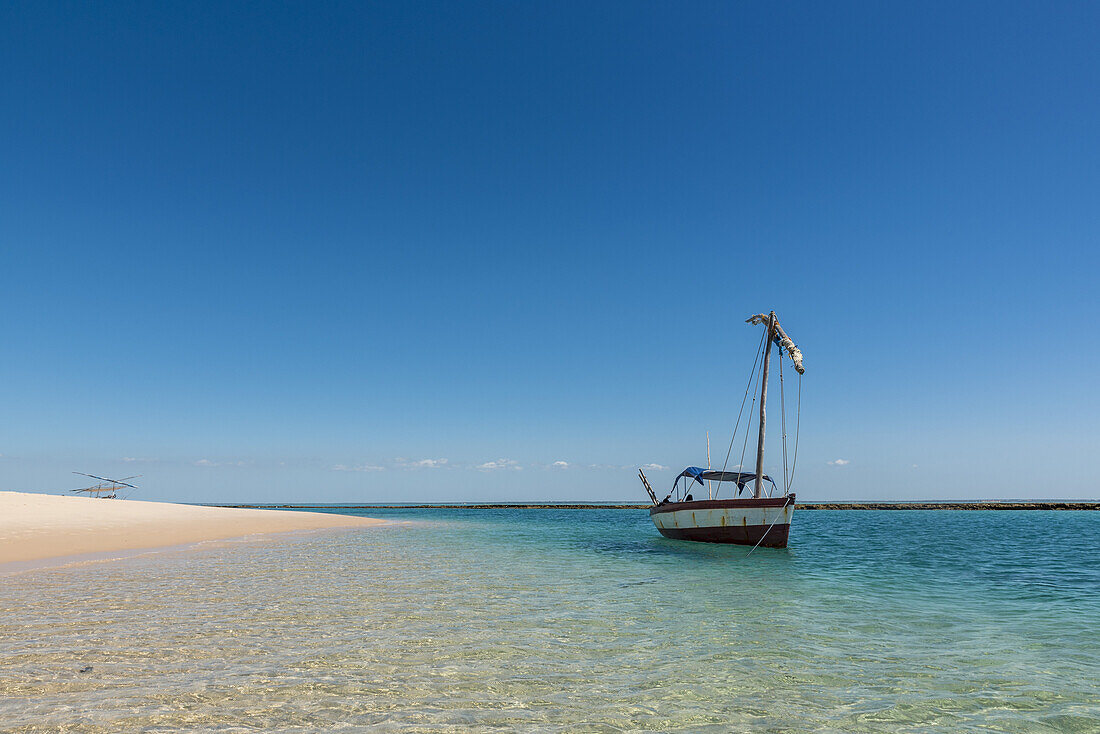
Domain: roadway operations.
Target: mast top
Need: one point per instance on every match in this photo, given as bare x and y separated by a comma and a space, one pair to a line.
779, 337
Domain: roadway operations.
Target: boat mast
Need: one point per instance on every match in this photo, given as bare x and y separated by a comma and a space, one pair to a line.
758, 486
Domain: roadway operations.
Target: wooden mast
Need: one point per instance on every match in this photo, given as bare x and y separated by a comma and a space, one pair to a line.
758, 486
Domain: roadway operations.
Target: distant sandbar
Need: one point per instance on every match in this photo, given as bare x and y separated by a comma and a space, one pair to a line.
978, 505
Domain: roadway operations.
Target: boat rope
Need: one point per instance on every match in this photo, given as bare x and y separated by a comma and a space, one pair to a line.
752, 409
748, 426
797, 425
763, 536
743, 399
767, 531
783, 424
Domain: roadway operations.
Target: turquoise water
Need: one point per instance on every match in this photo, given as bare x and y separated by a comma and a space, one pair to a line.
572, 620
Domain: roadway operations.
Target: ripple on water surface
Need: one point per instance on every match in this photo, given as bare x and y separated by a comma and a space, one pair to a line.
573, 620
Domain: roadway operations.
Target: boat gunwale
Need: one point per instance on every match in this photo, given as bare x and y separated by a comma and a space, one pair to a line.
740, 503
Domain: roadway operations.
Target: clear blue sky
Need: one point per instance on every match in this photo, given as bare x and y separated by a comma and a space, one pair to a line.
423, 251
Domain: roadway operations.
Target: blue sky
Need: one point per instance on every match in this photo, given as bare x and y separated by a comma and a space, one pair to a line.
504, 251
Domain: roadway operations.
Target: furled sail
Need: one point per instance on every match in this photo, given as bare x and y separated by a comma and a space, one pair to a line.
780, 337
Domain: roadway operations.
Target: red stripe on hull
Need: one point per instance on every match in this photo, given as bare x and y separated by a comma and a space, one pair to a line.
743, 535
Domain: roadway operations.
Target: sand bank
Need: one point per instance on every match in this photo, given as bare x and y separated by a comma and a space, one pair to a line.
40, 526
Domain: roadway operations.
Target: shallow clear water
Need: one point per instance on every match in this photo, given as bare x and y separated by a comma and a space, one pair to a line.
572, 620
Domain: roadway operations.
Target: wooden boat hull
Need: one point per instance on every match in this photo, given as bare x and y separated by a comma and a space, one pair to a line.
765, 521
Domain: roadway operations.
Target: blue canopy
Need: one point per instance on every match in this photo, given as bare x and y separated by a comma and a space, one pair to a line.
699, 474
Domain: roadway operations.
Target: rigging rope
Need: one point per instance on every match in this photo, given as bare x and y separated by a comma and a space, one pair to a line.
745, 397
783, 423
755, 392
788, 469
797, 426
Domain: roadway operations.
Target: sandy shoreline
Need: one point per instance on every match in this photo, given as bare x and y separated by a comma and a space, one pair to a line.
42, 526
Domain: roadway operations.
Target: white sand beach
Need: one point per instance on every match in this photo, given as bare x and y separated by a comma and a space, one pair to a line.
41, 526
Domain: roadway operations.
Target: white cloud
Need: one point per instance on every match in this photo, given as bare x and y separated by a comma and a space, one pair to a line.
499, 464
404, 463
208, 462
360, 467
654, 467
560, 465
135, 460
838, 462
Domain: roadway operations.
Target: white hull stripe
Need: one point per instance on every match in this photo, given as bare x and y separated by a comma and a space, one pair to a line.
725, 517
